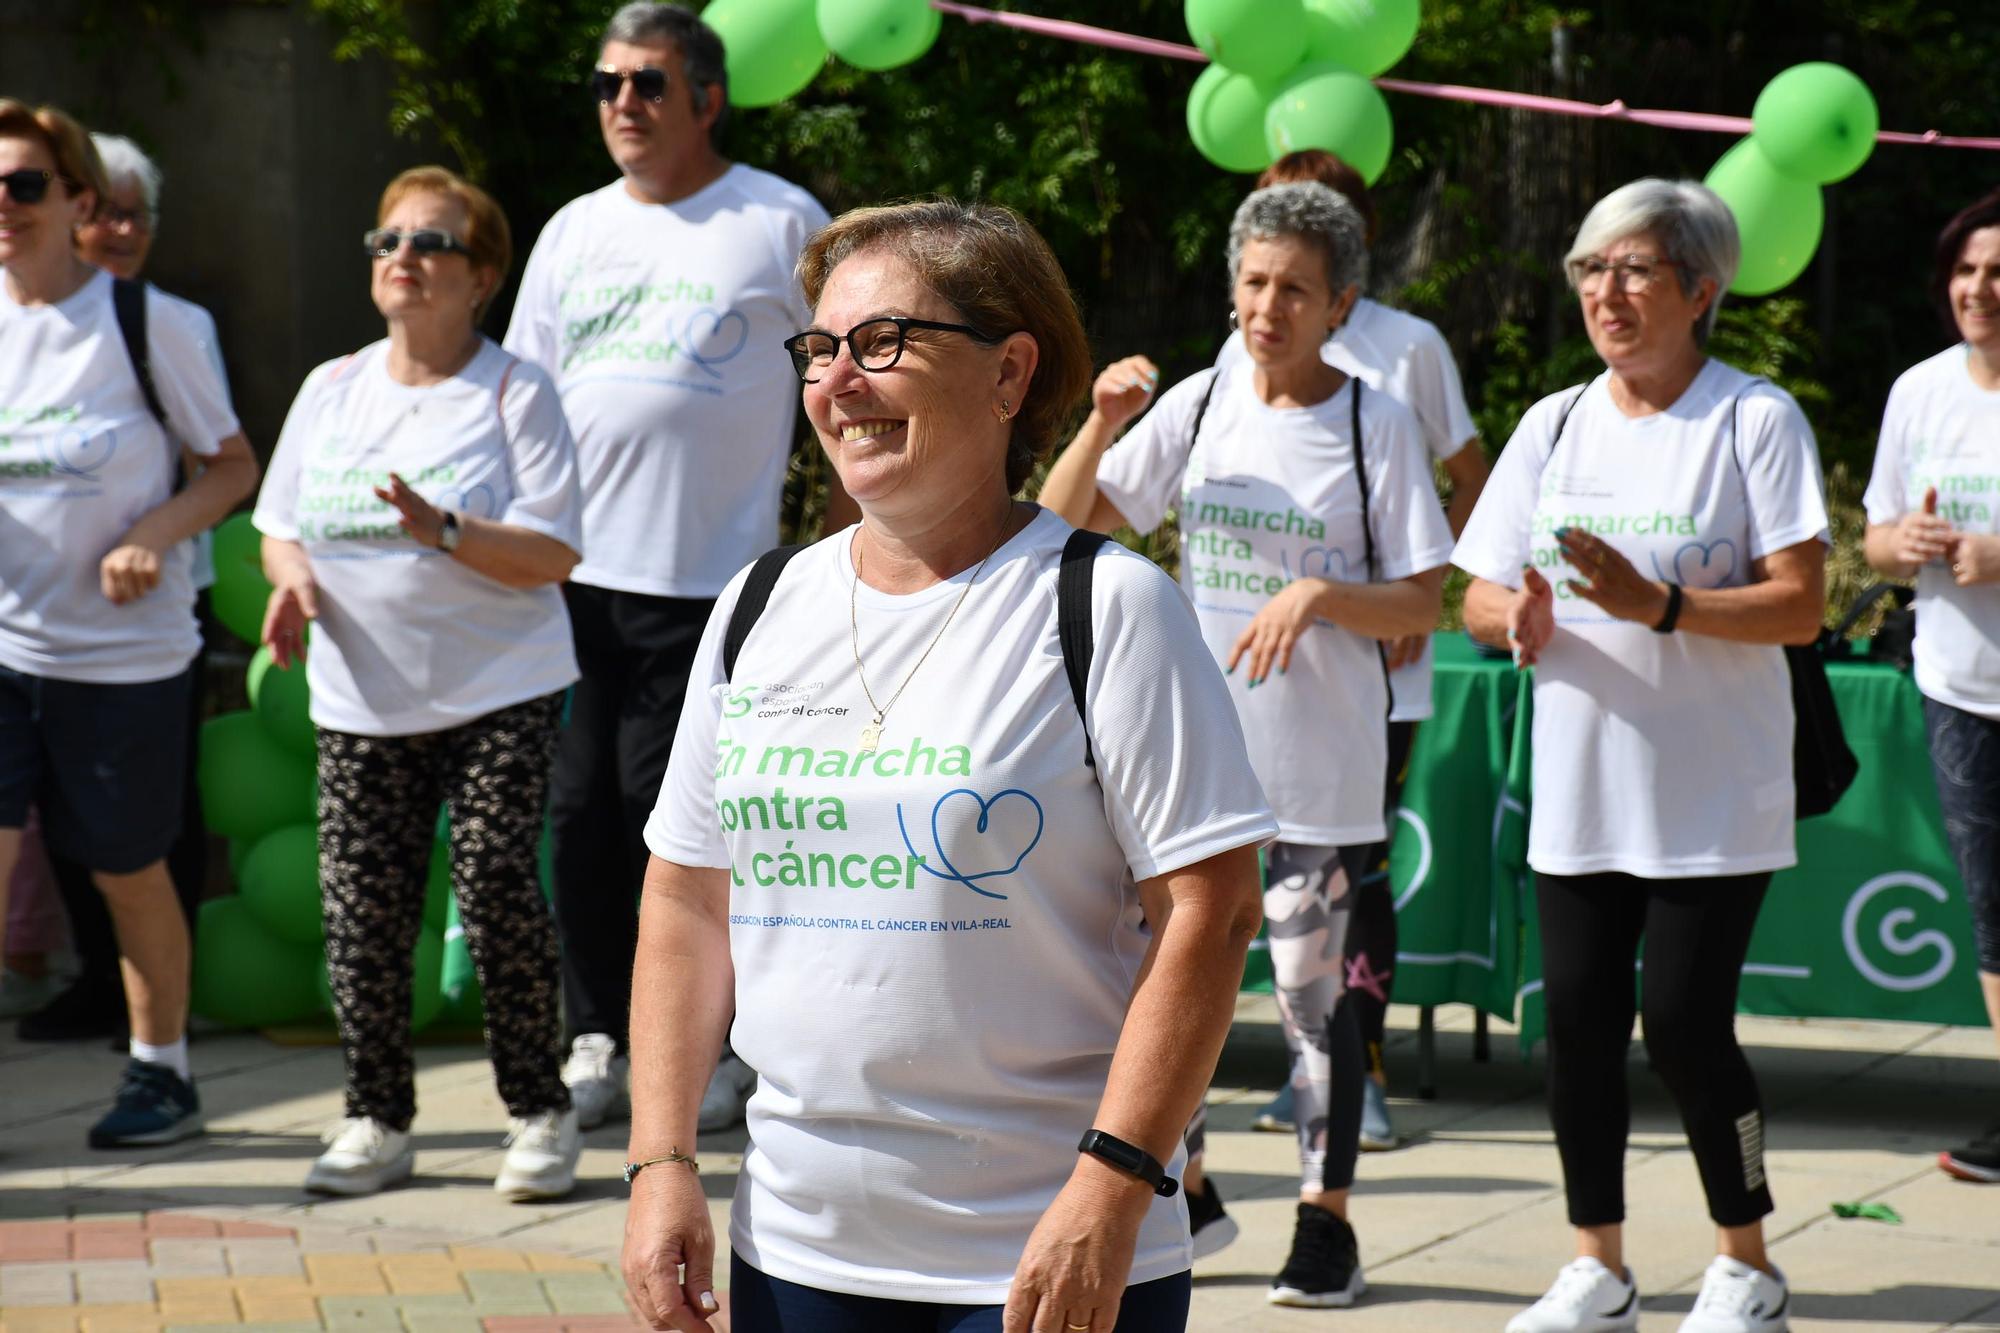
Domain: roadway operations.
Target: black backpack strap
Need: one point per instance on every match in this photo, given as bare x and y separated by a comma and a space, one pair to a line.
750, 603
1361, 476
128, 303
1073, 627
1200, 411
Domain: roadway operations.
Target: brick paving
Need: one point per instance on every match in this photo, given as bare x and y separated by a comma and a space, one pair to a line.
168, 1270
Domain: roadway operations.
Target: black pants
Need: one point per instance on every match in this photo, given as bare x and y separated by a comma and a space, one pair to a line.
635, 652
1371, 935
1696, 934
90, 929
378, 807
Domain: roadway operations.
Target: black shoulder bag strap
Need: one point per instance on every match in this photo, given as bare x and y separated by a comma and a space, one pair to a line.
1073, 627
751, 601
128, 303
1200, 411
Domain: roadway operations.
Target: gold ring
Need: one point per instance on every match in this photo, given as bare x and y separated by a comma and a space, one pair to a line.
1084, 1327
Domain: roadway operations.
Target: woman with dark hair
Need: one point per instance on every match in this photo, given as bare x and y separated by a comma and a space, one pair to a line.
97, 626
980, 922
1933, 515
421, 510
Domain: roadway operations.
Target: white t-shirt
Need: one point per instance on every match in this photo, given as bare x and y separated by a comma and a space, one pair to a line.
1399, 354
201, 546
935, 944
661, 323
1942, 430
81, 460
1667, 756
409, 639
1270, 495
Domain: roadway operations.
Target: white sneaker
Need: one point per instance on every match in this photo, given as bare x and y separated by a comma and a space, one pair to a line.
542, 1152
362, 1157
1736, 1298
728, 1093
1587, 1297
597, 1076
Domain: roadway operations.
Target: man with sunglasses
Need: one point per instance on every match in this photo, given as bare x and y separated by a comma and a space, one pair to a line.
658, 304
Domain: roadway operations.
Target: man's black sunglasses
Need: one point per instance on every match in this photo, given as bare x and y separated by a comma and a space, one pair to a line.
648, 82
385, 241
877, 344
28, 185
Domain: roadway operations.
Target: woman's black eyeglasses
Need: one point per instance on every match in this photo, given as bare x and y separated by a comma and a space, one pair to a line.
385, 241
28, 185
876, 344
648, 82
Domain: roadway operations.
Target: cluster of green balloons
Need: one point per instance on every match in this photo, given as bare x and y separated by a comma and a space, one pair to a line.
1813, 125
260, 956
1292, 74
773, 48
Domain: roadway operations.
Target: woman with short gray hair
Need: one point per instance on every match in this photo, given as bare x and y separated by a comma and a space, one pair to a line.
1309, 532
1651, 574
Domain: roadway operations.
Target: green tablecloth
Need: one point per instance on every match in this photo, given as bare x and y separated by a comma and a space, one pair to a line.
1871, 923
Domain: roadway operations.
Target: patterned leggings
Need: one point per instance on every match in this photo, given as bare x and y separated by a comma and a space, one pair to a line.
378, 804
1308, 899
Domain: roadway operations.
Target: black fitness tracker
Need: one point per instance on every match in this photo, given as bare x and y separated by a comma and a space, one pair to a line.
1673, 611
1131, 1159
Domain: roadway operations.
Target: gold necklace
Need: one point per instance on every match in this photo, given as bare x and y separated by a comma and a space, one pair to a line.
871, 735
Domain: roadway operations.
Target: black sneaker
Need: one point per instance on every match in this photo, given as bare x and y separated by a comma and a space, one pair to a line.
90, 1009
1209, 1224
1324, 1269
154, 1105
1977, 1161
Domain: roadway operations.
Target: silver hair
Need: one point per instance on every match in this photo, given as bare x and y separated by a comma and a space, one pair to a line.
1690, 222
649, 23
126, 161
1316, 214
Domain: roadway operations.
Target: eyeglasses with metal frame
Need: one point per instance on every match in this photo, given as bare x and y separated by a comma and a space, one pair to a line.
876, 344
1636, 273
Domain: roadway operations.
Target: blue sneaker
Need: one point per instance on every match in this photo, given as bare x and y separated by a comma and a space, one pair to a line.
154, 1105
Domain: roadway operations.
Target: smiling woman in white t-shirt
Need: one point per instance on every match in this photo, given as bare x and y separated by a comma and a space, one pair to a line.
1648, 542
1309, 532
1934, 514
421, 508
97, 625
981, 935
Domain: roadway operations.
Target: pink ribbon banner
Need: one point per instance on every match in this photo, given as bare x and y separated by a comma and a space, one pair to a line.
1065, 30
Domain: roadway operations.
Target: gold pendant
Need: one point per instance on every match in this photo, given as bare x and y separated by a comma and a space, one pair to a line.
871, 736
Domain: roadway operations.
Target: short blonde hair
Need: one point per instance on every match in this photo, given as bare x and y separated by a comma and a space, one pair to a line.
989, 264
77, 163
488, 239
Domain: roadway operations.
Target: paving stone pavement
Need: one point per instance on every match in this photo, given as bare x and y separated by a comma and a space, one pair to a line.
1458, 1229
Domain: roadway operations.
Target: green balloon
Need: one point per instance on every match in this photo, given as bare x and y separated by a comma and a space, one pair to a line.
241, 591
282, 702
280, 884
771, 48
1261, 38
1817, 122
250, 784
1225, 118
1778, 218
1328, 106
878, 34
244, 976
1367, 36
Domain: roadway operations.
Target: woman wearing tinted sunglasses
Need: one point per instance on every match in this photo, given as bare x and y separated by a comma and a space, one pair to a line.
421, 508
97, 626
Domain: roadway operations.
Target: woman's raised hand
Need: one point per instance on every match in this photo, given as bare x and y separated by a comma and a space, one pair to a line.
1531, 617
1609, 580
420, 518
1270, 636
1123, 389
669, 1257
1922, 538
291, 607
